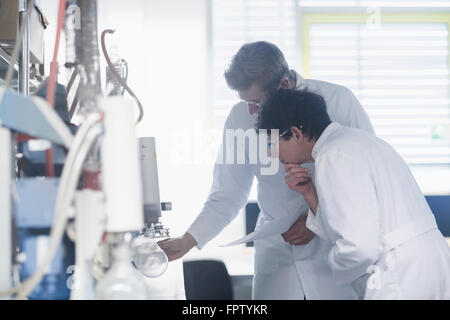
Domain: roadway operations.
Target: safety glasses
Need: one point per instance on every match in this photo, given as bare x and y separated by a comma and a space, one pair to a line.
273, 146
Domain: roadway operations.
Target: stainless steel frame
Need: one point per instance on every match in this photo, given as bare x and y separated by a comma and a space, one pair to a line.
24, 58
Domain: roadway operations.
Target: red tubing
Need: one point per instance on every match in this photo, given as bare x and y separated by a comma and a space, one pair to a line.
51, 83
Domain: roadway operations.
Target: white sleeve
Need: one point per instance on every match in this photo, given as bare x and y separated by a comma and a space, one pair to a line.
229, 193
350, 215
314, 223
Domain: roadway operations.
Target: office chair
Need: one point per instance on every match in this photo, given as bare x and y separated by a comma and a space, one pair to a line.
440, 205
207, 280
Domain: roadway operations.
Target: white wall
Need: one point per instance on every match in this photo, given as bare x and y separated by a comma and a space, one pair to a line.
165, 45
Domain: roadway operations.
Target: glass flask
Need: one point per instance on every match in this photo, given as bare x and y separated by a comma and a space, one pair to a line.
122, 281
148, 256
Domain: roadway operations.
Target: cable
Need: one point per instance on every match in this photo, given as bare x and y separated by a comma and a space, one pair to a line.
117, 75
66, 195
126, 74
71, 81
69, 175
57, 232
84, 139
75, 101
15, 53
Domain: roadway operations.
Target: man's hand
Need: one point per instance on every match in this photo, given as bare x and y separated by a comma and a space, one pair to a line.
298, 179
176, 248
298, 234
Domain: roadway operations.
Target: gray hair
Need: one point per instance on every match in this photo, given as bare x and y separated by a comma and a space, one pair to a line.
259, 62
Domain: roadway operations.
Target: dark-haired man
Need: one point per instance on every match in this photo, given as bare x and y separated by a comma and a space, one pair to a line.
292, 265
364, 200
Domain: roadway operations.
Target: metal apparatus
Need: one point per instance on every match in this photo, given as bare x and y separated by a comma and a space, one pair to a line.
104, 195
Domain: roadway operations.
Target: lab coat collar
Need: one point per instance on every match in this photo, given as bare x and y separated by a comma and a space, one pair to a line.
300, 83
332, 127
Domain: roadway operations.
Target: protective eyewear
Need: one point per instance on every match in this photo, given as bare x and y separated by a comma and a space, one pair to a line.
274, 144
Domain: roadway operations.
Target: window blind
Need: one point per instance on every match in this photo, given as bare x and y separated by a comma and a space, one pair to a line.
375, 3
235, 22
399, 72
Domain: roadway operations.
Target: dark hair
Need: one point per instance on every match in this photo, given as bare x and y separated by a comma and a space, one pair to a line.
259, 62
287, 108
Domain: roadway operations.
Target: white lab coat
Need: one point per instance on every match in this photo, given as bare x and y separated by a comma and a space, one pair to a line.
282, 271
385, 240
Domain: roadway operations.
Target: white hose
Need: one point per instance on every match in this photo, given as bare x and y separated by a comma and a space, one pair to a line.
57, 232
84, 139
